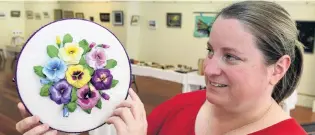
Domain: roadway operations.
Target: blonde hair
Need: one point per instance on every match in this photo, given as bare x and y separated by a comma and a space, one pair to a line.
276, 35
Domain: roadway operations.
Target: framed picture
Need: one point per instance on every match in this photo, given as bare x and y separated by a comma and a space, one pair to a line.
306, 34
105, 17
92, 18
46, 15
29, 14
2, 15
15, 13
118, 18
152, 24
174, 20
135, 20
58, 15
79, 15
37, 16
68, 14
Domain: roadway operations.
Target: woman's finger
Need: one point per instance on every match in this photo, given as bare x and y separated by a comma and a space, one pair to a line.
52, 132
134, 95
119, 124
27, 123
132, 105
125, 114
22, 110
39, 130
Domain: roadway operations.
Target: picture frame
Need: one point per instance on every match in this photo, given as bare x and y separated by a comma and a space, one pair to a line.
306, 35
79, 15
46, 14
92, 18
15, 13
118, 18
105, 17
152, 24
58, 14
68, 14
37, 16
2, 15
29, 14
174, 20
134, 20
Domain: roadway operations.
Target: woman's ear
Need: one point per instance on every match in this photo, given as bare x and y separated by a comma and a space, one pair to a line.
280, 68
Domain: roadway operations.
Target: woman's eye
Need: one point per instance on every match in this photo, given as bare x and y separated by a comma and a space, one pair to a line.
229, 57
210, 51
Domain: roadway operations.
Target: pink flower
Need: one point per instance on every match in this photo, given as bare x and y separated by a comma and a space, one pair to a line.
96, 58
105, 46
92, 45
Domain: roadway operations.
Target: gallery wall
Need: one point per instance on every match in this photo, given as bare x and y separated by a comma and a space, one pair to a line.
165, 45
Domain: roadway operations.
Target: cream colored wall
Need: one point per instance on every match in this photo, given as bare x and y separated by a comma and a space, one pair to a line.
94, 8
31, 25
9, 24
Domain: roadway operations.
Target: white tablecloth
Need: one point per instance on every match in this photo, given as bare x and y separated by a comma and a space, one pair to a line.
190, 81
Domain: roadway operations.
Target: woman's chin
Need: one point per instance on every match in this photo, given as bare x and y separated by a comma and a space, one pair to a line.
214, 98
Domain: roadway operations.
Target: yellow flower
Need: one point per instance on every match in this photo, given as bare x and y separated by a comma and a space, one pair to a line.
58, 41
77, 75
71, 53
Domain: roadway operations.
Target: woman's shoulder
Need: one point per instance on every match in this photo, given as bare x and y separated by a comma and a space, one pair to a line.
286, 127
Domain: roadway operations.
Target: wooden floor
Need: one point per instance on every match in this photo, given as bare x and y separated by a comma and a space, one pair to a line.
151, 91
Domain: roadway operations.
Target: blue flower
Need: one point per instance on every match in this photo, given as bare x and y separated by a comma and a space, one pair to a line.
55, 69
44, 81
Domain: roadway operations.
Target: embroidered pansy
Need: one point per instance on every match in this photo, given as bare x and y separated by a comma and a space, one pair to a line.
60, 92
55, 69
96, 58
71, 53
77, 76
102, 79
87, 97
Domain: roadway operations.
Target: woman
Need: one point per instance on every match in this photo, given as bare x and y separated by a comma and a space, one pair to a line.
254, 62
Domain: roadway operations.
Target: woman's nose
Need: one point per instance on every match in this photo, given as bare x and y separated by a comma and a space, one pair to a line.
212, 67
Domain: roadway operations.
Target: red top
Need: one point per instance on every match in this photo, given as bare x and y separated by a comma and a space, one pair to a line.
177, 117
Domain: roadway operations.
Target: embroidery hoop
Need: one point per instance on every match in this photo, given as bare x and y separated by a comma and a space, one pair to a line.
34, 53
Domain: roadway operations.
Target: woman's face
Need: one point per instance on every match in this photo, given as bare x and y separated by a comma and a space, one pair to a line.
235, 71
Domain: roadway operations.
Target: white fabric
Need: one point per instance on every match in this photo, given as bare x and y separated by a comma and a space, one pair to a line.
190, 81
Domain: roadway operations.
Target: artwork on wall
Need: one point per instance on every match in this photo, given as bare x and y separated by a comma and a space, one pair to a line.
29, 14
306, 34
37, 16
58, 14
152, 24
68, 14
118, 18
174, 20
105, 17
203, 26
46, 15
15, 13
135, 20
92, 18
79, 15
2, 15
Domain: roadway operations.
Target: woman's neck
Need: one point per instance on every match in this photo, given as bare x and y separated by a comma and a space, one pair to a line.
222, 121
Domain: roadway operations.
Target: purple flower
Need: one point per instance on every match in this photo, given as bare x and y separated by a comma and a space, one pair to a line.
105, 46
105, 96
92, 45
102, 79
87, 98
96, 58
60, 92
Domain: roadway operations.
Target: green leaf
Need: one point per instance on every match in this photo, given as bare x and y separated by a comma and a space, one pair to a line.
82, 61
85, 46
111, 64
88, 111
67, 38
91, 70
74, 94
39, 71
52, 51
114, 83
72, 106
99, 104
44, 91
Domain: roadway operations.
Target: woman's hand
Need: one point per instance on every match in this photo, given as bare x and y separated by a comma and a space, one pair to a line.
129, 117
30, 125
